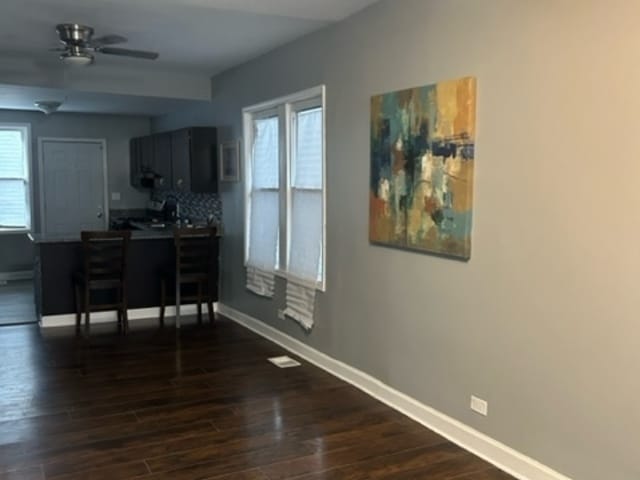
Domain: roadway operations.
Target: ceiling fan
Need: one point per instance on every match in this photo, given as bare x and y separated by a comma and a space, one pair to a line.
79, 46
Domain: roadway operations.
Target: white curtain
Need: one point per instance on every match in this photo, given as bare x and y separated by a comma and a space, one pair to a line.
306, 234
306, 229
260, 282
264, 215
300, 304
263, 233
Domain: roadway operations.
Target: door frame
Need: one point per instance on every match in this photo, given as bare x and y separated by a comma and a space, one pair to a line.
100, 141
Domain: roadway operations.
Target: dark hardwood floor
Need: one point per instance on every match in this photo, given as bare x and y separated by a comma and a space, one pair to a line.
204, 405
16, 303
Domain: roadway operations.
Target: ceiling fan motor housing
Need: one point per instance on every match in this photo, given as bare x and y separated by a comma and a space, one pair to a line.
76, 38
74, 35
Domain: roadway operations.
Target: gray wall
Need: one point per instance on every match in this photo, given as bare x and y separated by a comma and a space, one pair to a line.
543, 320
16, 253
16, 250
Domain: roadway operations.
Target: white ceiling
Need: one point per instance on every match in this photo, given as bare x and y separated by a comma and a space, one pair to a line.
205, 36
195, 39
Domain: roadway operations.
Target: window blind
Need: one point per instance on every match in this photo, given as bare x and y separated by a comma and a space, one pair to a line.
264, 196
306, 229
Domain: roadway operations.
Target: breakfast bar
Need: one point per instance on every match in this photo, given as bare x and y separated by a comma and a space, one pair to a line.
59, 257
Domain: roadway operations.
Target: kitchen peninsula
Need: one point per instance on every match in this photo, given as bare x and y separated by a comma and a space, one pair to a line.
59, 256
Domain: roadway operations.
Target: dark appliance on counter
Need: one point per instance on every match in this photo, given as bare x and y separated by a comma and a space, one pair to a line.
151, 180
171, 208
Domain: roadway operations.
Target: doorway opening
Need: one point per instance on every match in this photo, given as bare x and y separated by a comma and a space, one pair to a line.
17, 302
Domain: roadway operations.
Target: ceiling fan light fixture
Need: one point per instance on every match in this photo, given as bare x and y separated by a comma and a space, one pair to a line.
79, 46
77, 59
47, 106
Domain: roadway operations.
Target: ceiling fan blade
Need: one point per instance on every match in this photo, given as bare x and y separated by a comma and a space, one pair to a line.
58, 49
125, 52
107, 40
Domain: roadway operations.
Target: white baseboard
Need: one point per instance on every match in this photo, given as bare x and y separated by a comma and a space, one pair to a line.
69, 319
13, 276
485, 447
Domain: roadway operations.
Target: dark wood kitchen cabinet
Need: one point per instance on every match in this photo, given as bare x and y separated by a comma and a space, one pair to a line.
185, 159
162, 161
141, 152
134, 162
181, 156
194, 155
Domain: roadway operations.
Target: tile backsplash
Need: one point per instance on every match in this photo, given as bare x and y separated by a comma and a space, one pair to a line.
195, 206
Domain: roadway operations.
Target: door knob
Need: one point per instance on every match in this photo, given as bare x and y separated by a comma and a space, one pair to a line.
99, 214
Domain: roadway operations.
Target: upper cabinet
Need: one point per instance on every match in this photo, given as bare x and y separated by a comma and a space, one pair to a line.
181, 156
204, 159
162, 161
185, 159
141, 151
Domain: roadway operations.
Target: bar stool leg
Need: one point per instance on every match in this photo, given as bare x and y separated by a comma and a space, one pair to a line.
210, 303
125, 318
210, 310
78, 293
177, 300
199, 300
163, 300
87, 308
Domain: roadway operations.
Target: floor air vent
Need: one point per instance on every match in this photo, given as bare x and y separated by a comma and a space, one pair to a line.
284, 362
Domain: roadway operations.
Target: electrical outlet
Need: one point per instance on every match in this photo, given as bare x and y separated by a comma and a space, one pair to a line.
281, 314
115, 196
479, 406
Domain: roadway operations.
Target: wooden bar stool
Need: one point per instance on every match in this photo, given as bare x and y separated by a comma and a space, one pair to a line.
104, 269
195, 265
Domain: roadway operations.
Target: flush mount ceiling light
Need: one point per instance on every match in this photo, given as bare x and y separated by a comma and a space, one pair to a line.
76, 57
47, 107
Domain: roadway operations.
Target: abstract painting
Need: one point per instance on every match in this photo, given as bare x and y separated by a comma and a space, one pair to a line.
422, 161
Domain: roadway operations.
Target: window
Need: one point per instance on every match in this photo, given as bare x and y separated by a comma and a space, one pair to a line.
285, 187
15, 207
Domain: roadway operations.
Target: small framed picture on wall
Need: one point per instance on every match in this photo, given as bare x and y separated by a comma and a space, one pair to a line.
230, 161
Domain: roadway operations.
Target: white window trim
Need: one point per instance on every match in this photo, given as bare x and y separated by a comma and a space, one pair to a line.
284, 107
26, 128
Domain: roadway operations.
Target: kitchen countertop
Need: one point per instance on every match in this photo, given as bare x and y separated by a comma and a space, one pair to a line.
144, 233
69, 238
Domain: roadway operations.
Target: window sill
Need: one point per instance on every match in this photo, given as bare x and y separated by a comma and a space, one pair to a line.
14, 231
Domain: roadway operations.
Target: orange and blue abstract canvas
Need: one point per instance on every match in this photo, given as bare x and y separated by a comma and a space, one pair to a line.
422, 162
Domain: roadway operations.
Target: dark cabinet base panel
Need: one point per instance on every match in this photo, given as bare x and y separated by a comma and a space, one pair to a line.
147, 259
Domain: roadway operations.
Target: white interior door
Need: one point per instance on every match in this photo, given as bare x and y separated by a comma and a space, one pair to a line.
72, 176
